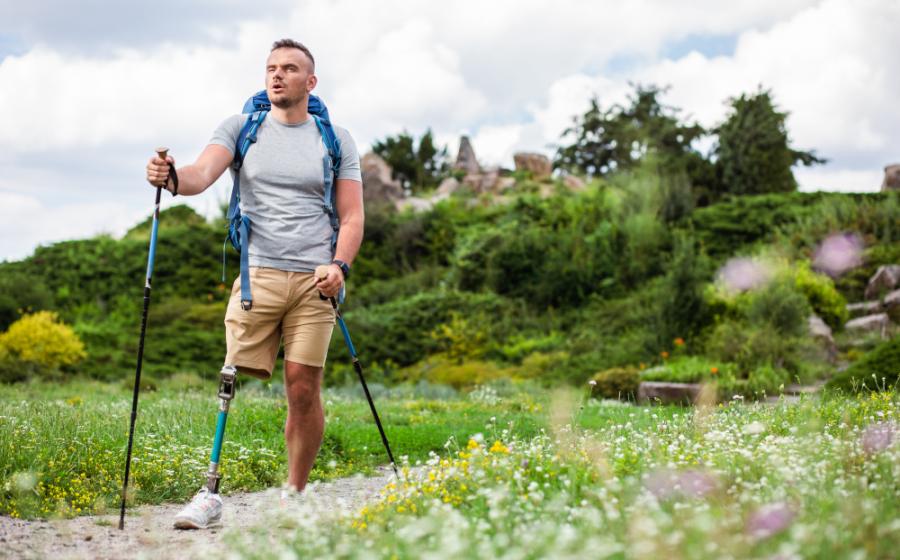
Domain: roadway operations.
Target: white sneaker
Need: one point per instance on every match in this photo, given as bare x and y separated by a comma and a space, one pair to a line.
203, 511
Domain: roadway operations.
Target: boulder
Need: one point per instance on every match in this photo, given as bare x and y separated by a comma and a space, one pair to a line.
573, 183
447, 187
483, 182
891, 178
504, 184
415, 203
378, 186
886, 278
864, 308
684, 393
892, 305
821, 332
870, 323
538, 164
465, 158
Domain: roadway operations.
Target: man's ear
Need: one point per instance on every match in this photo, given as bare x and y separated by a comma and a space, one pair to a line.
311, 83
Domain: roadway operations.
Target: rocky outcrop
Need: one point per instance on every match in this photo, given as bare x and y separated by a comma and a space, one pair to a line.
465, 158
537, 164
870, 323
886, 279
863, 308
892, 305
821, 332
447, 187
573, 183
378, 186
891, 178
683, 393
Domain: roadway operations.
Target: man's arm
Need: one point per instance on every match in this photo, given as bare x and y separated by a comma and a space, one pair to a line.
350, 209
194, 178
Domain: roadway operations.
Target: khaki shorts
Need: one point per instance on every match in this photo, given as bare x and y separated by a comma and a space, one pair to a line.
285, 304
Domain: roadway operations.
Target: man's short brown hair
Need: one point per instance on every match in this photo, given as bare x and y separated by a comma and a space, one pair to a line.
292, 44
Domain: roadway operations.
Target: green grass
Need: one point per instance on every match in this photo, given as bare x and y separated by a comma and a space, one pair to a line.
62, 446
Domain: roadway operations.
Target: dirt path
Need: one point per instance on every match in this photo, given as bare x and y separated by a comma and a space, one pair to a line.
148, 529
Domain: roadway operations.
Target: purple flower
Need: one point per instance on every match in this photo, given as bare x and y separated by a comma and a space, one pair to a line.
838, 253
741, 274
769, 520
877, 437
693, 483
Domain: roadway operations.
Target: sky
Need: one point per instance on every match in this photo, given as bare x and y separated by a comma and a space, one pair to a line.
89, 89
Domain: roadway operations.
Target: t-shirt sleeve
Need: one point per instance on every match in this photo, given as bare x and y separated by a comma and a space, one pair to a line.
226, 134
349, 157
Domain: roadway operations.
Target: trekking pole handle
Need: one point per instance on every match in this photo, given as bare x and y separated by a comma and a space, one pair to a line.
321, 274
162, 153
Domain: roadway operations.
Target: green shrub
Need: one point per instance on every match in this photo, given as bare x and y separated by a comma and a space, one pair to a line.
399, 331
689, 369
821, 294
443, 370
883, 363
616, 383
779, 306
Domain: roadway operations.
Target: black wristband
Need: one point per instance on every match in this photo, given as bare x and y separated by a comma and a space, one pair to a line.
345, 268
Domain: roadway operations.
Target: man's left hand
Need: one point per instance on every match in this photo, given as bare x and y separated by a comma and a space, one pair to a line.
331, 285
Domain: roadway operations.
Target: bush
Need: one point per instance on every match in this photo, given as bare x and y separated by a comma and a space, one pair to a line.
689, 369
399, 331
780, 307
459, 375
616, 383
883, 363
42, 340
821, 294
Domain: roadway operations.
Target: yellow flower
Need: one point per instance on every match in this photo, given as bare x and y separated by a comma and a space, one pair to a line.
664, 354
498, 447
472, 444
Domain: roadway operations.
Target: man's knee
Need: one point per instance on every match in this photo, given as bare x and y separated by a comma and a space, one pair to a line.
302, 384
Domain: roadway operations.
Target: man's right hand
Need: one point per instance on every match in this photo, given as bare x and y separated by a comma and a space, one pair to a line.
158, 171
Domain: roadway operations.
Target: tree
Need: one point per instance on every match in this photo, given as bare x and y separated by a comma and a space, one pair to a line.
416, 166
752, 153
619, 137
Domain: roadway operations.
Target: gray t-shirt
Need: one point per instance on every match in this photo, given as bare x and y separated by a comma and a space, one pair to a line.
283, 188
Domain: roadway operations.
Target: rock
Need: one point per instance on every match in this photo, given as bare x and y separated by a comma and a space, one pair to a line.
885, 279
447, 187
483, 182
573, 183
878, 322
538, 164
892, 305
415, 204
820, 331
504, 184
685, 393
891, 178
864, 308
378, 186
465, 158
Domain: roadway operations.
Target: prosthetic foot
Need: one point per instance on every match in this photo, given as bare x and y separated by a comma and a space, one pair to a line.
205, 508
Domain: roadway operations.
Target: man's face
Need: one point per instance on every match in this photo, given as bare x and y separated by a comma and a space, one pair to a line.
288, 77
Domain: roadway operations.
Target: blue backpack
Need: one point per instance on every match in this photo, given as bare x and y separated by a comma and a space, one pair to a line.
256, 108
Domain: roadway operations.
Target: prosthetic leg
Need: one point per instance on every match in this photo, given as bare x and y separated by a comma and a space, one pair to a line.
226, 393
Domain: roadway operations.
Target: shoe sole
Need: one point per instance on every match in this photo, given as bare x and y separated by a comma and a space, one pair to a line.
191, 524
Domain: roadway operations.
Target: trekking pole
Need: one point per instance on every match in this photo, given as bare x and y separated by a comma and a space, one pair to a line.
322, 272
162, 153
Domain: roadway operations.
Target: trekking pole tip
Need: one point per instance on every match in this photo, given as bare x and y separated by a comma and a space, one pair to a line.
162, 152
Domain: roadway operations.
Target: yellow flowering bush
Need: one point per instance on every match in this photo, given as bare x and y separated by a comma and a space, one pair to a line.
40, 338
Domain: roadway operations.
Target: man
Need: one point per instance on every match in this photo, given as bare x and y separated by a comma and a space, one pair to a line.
282, 190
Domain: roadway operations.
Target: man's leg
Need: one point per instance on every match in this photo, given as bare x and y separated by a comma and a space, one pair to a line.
305, 420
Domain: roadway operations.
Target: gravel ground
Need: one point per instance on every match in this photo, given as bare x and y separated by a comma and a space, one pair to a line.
148, 529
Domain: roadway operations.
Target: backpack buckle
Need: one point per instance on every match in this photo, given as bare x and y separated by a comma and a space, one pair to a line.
246, 304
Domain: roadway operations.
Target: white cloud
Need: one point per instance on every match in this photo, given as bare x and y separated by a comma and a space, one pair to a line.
26, 222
